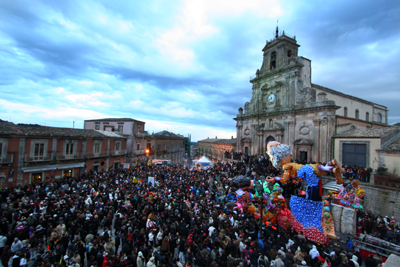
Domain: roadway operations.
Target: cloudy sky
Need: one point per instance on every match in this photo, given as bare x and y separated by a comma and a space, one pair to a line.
183, 66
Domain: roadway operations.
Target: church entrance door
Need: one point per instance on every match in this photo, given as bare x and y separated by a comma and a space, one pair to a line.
269, 139
303, 156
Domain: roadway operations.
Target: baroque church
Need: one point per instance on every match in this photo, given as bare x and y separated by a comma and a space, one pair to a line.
287, 107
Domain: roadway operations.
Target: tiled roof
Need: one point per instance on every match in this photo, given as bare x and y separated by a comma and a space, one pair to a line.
219, 141
165, 135
45, 131
115, 119
393, 145
344, 95
110, 134
364, 132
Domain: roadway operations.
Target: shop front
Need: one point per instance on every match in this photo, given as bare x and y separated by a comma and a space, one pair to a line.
39, 174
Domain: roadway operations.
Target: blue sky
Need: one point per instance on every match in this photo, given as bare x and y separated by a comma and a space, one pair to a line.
183, 66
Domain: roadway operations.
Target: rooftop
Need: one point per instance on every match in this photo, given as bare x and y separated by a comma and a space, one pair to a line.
165, 135
219, 141
345, 95
115, 119
43, 131
392, 146
110, 134
365, 132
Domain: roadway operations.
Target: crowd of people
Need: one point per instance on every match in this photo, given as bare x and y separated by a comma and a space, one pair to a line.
117, 218
358, 172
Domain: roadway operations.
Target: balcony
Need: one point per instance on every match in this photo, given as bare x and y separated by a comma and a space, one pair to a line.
138, 152
62, 156
39, 158
118, 152
6, 159
140, 135
97, 155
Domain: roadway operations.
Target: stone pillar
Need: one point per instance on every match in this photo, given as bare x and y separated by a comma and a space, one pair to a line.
324, 141
54, 149
21, 160
292, 129
317, 141
239, 130
108, 154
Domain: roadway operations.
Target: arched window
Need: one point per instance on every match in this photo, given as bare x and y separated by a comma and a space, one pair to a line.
357, 114
272, 64
367, 116
289, 53
379, 117
345, 112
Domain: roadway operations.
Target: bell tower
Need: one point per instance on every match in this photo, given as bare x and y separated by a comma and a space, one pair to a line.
279, 52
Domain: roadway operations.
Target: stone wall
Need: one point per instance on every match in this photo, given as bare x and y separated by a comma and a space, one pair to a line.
383, 200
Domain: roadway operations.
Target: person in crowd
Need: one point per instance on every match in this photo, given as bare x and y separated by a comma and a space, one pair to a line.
115, 218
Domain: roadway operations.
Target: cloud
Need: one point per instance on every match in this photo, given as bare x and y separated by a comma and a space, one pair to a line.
183, 63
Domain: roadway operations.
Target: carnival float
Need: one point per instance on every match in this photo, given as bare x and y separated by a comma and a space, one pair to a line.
308, 212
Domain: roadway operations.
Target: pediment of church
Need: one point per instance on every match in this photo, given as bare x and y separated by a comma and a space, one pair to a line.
303, 142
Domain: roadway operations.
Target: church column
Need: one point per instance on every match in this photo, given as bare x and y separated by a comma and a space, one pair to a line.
331, 152
316, 156
287, 135
239, 127
291, 132
324, 140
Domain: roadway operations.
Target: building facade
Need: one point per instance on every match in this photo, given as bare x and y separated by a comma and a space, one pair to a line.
362, 146
33, 153
133, 130
286, 106
217, 149
167, 146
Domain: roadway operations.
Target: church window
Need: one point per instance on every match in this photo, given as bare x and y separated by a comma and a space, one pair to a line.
273, 61
379, 117
345, 112
367, 116
289, 53
357, 114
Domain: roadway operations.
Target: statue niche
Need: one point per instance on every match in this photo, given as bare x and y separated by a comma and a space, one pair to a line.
304, 96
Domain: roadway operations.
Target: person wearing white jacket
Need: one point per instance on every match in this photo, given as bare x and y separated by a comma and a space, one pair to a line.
151, 262
353, 261
314, 252
242, 247
160, 237
3, 241
140, 261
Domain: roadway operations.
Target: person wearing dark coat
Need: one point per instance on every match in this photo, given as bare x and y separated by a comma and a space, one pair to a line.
5, 256
16, 259
370, 261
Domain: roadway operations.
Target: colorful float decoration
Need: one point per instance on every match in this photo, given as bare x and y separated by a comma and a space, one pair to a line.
309, 213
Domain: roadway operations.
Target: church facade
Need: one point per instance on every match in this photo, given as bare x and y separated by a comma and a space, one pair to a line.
287, 107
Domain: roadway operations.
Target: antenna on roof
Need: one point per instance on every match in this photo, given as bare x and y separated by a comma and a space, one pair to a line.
73, 125
277, 30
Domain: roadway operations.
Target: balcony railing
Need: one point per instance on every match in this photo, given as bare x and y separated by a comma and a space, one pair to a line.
138, 152
39, 158
140, 135
8, 158
62, 156
118, 152
97, 155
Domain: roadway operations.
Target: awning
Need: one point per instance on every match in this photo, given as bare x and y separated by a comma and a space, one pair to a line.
53, 167
331, 186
